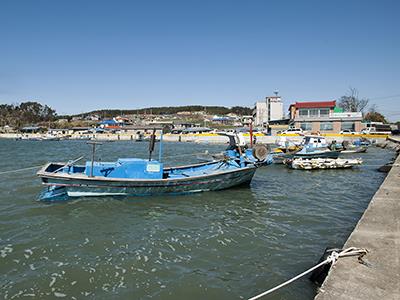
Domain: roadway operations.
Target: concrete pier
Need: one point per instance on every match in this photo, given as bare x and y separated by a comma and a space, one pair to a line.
379, 231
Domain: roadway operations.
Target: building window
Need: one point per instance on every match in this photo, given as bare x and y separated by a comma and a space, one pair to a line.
324, 112
314, 112
348, 125
303, 112
325, 126
306, 126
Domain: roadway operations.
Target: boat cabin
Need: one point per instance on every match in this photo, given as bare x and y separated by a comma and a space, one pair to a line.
141, 169
314, 141
127, 168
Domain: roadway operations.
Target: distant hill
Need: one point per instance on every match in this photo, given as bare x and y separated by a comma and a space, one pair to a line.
167, 110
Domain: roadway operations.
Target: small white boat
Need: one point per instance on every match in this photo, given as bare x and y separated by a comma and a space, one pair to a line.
322, 163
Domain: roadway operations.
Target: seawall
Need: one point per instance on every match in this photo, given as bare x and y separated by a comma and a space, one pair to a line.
378, 231
196, 138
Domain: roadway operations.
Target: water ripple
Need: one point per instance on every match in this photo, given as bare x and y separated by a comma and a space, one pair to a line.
218, 245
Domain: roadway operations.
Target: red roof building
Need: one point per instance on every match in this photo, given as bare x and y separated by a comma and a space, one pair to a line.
315, 104
319, 116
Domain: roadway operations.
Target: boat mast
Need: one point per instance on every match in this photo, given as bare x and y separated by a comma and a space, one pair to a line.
251, 134
151, 143
160, 150
93, 155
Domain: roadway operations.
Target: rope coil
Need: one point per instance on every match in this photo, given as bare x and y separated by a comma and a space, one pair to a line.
331, 259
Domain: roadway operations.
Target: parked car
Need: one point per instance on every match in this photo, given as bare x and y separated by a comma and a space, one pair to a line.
374, 130
347, 131
298, 131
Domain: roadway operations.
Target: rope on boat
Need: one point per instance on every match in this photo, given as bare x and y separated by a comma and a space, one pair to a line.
332, 259
19, 170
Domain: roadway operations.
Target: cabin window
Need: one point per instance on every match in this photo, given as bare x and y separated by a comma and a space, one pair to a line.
305, 126
348, 126
325, 126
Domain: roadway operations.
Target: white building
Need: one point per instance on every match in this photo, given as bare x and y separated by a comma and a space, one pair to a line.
275, 108
271, 109
260, 113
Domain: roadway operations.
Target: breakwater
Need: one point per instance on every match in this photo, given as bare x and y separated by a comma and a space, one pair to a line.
378, 231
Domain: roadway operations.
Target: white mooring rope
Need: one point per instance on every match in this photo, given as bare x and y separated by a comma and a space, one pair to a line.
352, 251
23, 169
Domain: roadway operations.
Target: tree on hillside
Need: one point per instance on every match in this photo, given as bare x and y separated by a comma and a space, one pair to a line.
351, 102
166, 110
34, 112
374, 116
25, 114
242, 110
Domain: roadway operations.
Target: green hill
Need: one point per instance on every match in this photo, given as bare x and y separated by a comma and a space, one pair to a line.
167, 110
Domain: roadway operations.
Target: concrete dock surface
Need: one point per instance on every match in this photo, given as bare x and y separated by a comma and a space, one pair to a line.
378, 231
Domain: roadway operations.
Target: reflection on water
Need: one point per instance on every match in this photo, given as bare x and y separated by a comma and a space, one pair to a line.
218, 245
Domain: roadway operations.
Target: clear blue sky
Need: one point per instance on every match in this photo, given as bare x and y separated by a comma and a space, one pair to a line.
82, 55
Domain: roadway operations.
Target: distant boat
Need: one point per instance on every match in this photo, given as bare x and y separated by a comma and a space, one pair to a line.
347, 147
50, 138
285, 150
258, 154
315, 146
322, 163
354, 149
139, 137
316, 153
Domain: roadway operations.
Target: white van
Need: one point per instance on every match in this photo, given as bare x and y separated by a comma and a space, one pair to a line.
373, 130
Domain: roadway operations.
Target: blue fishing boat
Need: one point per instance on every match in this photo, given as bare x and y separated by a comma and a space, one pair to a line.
258, 154
285, 149
316, 147
347, 147
141, 177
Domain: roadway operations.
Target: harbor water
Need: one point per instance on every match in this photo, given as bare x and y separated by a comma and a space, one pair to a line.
230, 244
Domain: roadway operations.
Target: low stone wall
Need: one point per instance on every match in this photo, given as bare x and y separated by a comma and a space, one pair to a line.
196, 138
378, 231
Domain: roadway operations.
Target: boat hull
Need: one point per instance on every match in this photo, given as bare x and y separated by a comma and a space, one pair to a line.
73, 186
318, 154
361, 149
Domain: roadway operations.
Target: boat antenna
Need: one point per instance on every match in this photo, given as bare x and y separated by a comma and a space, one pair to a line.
152, 142
93, 143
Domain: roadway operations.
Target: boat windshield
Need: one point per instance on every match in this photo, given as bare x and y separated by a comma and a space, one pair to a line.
315, 141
